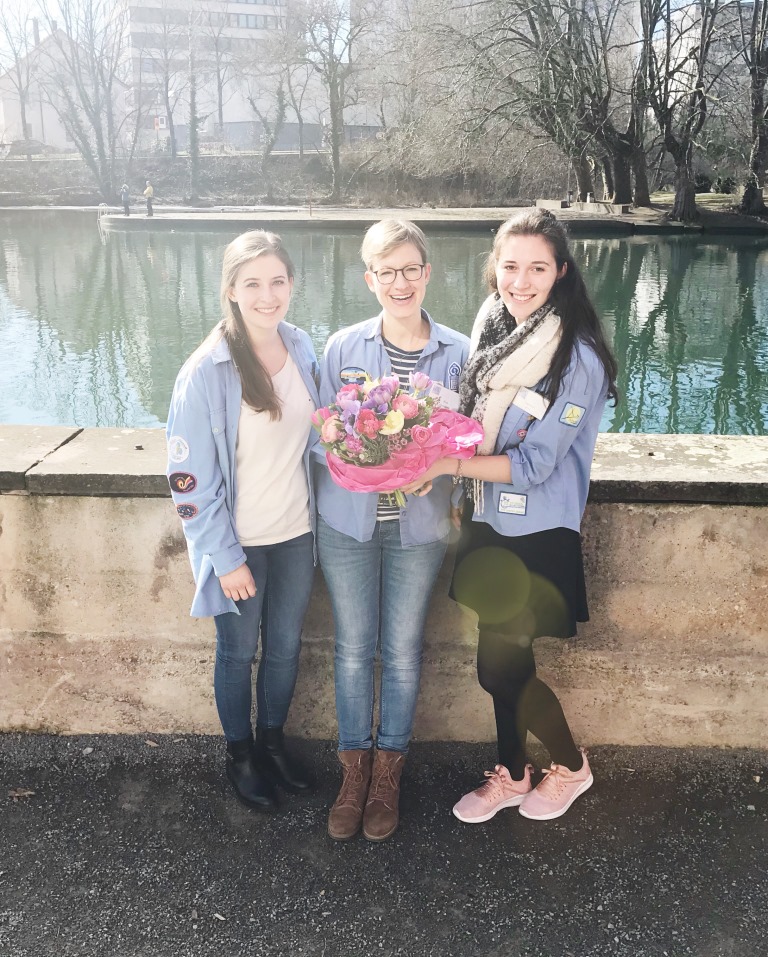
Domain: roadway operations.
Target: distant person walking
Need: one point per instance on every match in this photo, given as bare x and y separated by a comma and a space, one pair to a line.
125, 199
149, 193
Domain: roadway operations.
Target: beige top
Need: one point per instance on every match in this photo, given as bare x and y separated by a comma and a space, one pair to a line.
272, 503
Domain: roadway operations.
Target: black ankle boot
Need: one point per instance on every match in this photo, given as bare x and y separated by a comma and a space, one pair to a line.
251, 785
272, 756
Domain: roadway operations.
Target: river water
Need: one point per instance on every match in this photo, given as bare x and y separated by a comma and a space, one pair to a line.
92, 332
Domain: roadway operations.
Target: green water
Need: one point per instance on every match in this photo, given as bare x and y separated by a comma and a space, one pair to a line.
93, 333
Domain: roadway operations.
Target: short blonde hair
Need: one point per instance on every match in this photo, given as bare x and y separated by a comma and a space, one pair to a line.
387, 235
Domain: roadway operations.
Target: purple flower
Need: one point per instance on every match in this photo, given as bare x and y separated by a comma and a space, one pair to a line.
391, 383
420, 381
348, 405
381, 395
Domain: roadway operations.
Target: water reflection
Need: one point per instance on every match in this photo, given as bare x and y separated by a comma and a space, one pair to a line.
93, 334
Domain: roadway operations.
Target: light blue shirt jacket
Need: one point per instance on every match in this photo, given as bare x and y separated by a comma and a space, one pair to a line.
349, 354
202, 438
551, 457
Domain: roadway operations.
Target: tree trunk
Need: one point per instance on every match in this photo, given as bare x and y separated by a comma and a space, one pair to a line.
336, 132
608, 181
642, 196
622, 179
752, 201
171, 127
684, 209
583, 173
194, 139
25, 128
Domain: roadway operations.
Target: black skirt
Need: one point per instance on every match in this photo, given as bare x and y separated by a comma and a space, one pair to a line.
525, 585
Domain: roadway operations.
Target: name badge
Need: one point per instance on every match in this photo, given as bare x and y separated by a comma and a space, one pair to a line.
513, 503
531, 402
446, 398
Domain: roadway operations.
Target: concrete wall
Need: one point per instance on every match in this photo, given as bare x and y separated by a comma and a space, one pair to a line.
95, 589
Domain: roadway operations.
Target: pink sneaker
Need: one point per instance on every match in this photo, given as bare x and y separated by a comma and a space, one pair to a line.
556, 793
498, 792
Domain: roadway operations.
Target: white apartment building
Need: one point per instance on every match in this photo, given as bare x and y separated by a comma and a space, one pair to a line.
229, 44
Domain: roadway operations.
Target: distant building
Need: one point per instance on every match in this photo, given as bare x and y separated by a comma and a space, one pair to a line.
224, 40
43, 123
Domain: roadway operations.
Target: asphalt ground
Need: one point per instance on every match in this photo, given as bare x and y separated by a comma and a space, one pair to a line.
135, 846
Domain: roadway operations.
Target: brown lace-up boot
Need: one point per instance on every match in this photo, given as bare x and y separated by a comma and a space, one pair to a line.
382, 811
347, 811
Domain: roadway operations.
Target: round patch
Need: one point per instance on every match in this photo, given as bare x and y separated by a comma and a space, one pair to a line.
352, 374
521, 433
178, 450
183, 482
186, 511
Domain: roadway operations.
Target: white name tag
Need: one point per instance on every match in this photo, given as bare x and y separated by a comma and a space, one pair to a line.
531, 402
446, 398
513, 503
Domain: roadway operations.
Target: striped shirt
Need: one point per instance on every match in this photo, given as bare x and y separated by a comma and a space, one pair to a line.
403, 363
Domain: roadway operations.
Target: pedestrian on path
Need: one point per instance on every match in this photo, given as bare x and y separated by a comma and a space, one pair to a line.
149, 194
125, 199
538, 379
239, 438
380, 561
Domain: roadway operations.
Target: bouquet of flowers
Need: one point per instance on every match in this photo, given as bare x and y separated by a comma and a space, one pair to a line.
378, 437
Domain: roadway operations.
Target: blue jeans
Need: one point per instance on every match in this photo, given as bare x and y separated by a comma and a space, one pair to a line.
379, 592
283, 574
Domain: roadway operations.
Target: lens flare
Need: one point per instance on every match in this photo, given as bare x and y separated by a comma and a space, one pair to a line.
496, 584
493, 582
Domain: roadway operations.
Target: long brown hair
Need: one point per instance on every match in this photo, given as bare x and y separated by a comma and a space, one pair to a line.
569, 297
258, 391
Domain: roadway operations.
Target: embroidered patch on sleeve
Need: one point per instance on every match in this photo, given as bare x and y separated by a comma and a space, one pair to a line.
186, 511
184, 482
572, 415
178, 450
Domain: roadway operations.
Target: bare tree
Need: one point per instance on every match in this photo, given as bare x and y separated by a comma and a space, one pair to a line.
16, 60
166, 47
83, 70
679, 42
265, 92
753, 23
216, 52
328, 32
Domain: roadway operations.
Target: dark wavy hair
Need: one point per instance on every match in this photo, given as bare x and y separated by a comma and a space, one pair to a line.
569, 297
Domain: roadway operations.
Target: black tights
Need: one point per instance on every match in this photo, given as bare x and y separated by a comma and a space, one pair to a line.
522, 702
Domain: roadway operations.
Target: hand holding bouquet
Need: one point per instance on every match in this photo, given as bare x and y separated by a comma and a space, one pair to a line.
379, 437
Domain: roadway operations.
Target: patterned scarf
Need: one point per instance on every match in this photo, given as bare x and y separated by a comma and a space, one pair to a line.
507, 358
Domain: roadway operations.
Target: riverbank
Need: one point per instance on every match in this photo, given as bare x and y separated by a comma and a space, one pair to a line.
715, 220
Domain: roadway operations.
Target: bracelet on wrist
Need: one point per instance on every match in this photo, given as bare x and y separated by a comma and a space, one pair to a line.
457, 477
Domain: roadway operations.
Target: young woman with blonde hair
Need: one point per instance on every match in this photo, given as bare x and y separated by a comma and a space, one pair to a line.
380, 561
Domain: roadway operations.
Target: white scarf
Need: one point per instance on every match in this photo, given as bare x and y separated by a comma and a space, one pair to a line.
505, 358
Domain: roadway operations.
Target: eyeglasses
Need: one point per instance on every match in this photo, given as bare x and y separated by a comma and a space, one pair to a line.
410, 273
